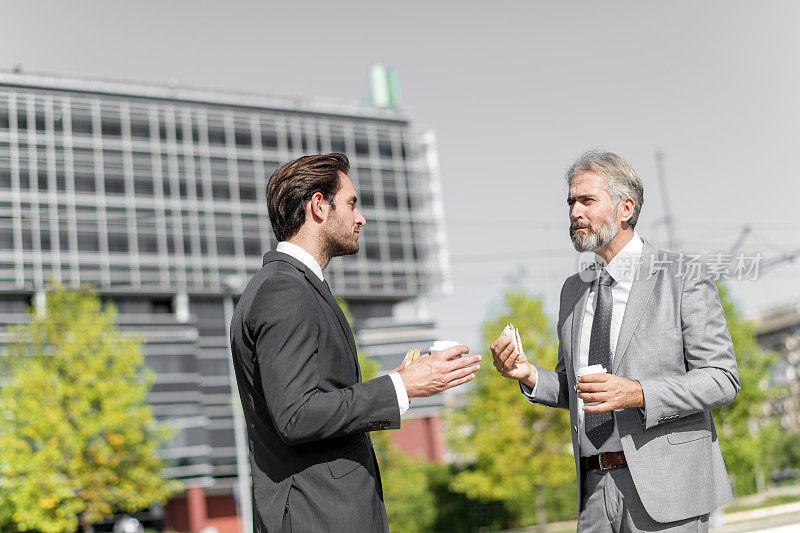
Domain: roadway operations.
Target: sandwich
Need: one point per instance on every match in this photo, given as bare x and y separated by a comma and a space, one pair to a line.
411, 356
513, 333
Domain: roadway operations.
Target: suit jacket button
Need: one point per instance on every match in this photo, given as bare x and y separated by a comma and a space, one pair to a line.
575, 429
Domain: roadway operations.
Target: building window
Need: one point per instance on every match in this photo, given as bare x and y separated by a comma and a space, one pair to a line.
338, 144
252, 246
243, 138
247, 191
216, 135
147, 243
140, 129
362, 147
118, 243
385, 147
114, 184
225, 245
83, 182
390, 200
81, 124
143, 186
87, 241
373, 251
44, 239
40, 125
111, 127
366, 198
269, 139
396, 251
6, 239
220, 190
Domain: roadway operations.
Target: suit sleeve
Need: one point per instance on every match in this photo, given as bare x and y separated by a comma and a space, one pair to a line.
284, 321
712, 377
552, 388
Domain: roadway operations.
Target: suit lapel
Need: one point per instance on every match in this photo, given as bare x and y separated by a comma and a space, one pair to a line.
578, 310
326, 294
641, 290
331, 301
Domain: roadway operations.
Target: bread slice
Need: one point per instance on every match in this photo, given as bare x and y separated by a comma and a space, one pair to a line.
411, 356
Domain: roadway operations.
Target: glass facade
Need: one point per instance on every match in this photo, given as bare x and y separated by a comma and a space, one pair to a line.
127, 191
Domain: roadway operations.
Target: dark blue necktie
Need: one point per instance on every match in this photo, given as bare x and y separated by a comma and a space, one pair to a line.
599, 426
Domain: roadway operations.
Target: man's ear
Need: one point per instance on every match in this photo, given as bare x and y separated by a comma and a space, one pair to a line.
626, 209
317, 207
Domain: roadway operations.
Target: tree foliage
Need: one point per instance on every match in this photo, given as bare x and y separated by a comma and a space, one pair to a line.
515, 452
78, 440
744, 432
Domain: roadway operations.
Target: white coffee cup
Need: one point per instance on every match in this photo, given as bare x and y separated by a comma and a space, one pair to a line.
591, 369
438, 346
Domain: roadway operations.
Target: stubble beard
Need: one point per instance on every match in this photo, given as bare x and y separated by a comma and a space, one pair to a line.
339, 239
596, 238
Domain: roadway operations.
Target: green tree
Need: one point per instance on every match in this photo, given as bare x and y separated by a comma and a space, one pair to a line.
515, 452
744, 431
78, 440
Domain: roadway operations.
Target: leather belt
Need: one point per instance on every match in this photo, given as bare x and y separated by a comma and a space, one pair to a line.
604, 461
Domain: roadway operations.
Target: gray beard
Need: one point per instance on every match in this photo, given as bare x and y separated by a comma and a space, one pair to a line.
596, 239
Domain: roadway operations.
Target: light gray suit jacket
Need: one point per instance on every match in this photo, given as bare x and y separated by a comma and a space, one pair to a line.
674, 340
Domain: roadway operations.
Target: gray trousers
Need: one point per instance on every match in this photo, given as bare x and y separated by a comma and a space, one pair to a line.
611, 504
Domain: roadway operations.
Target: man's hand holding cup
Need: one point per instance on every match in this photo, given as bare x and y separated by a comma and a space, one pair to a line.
446, 366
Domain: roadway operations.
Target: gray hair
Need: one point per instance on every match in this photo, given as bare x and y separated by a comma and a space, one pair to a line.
621, 180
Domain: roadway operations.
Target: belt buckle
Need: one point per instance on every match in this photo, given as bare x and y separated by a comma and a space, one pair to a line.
603, 468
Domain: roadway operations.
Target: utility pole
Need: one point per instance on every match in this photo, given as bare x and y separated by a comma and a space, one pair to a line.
672, 243
740, 240
233, 285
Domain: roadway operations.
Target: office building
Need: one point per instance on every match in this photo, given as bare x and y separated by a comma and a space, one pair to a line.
155, 195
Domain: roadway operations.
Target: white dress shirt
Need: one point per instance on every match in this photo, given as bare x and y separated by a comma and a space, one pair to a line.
623, 269
308, 260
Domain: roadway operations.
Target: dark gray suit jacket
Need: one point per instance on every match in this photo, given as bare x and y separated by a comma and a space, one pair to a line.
307, 411
674, 340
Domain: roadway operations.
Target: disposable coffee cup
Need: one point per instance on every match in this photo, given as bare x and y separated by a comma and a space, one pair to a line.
438, 346
591, 369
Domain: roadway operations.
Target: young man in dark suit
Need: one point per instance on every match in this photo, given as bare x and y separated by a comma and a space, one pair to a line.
308, 413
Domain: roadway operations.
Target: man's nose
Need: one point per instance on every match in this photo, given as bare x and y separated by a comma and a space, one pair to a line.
360, 220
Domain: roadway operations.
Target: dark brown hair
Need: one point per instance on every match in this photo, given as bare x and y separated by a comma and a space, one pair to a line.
292, 186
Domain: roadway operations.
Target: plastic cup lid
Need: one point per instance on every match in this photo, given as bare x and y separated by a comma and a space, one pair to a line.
592, 369
438, 346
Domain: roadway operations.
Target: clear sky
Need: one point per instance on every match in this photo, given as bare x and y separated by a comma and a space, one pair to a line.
515, 91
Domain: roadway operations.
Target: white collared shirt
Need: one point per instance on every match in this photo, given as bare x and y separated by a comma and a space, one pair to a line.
622, 268
308, 260
299, 253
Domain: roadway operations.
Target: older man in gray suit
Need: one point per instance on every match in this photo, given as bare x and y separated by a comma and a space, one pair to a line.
646, 450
